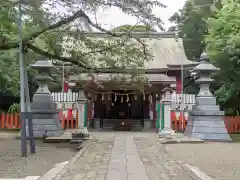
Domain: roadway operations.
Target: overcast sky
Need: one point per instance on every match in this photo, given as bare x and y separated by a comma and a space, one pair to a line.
114, 17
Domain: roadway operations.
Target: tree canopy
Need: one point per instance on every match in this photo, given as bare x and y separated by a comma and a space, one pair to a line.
191, 20
213, 26
223, 46
57, 29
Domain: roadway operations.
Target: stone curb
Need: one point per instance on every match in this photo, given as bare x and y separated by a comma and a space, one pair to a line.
27, 178
196, 173
60, 169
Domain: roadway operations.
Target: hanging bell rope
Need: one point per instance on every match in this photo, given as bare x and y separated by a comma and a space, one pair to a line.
115, 97
127, 98
150, 98
143, 96
102, 96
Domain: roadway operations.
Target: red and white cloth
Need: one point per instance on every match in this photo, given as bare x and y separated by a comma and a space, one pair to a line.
66, 86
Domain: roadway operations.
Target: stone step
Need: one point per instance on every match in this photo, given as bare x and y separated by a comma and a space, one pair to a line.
136, 125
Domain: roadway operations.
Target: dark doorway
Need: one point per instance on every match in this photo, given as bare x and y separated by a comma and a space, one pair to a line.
122, 110
125, 105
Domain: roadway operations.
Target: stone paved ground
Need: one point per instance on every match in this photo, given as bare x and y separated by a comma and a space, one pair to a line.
93, 163
221, 161
125, 156
159, 165
14, 166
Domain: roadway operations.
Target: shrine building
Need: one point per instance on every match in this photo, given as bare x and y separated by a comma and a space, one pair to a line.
113, 102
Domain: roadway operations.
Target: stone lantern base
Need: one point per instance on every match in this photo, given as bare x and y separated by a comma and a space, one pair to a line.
207, 121
46, 120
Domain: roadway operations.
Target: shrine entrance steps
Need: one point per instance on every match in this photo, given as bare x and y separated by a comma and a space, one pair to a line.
122, 124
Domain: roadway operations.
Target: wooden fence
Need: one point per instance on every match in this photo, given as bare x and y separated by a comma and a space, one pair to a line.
232, 124
12, 121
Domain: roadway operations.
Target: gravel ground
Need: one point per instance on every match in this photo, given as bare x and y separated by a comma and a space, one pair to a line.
221, 161
14, 166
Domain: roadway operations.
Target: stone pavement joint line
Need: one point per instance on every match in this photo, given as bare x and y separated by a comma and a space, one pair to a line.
123, 157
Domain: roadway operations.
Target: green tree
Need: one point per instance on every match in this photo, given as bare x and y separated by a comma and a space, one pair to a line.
191, 21
223, 46
46, 30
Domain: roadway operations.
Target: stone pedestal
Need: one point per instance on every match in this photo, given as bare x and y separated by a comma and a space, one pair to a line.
165, 129
82, 117
82, 112
46, 120
206, 121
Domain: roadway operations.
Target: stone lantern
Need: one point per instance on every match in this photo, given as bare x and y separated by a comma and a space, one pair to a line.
206, 121
165, 126
46, 120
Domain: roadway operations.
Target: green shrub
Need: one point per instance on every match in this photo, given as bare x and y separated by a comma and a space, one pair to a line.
15, 108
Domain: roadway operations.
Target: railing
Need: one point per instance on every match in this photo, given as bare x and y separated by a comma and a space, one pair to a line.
232, 124
65, 96
68, 121
187, 98
10, 121
72, 97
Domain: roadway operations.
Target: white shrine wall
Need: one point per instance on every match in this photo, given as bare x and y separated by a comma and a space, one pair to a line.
68, 100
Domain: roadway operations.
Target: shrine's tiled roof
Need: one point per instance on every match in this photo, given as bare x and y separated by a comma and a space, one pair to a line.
166, 52
105, 77
166, 49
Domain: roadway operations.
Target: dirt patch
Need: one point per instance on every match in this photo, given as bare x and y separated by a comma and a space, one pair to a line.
221, 161
47, 155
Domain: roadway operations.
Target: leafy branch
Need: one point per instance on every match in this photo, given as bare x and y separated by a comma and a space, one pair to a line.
27, 41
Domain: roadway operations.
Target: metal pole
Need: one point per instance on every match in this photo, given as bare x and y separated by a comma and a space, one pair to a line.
182, 92
182, 86
22, 93
29, 113
63, 79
